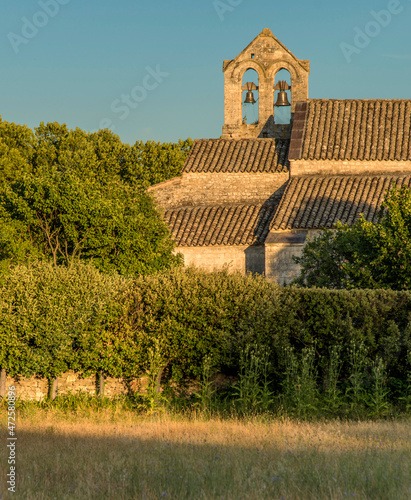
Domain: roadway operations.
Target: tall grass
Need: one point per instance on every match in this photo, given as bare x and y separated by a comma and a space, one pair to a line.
251, 439
207, 390
126, 456
300, 397
332, 390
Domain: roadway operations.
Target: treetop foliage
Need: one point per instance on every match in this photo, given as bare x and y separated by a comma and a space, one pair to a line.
69, 194
101, 154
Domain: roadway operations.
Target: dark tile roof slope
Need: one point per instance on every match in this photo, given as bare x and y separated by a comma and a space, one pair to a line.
317, 202
238, 155
220, 225
374, 129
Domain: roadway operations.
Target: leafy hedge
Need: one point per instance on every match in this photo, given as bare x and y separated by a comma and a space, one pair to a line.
194, 314
58, 319
55, 319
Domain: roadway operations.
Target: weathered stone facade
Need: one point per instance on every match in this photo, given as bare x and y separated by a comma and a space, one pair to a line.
241, 258
280, 248
299, 168
220, 188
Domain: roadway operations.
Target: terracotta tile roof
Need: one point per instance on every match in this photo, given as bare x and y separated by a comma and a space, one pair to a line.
317, 202
220, 225
373, 129
238, 155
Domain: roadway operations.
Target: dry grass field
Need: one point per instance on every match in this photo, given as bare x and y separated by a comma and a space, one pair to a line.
124, 456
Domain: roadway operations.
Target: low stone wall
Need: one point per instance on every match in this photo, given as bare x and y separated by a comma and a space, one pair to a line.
69, 383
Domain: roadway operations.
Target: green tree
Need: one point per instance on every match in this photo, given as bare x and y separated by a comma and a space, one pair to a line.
325, 258
68, 194
365, 255
100, 155
154, 162
63, 218
17, 147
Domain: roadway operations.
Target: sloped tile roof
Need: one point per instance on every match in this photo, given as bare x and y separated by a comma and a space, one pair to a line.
317, 202
369, 129
220, 225
238, 155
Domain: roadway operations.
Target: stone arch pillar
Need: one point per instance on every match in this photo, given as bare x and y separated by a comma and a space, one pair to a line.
299, 81
233, 92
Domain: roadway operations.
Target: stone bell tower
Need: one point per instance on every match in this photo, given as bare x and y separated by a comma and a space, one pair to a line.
266, 55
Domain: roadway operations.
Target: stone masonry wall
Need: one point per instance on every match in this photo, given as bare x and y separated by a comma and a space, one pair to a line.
280, 248
216, 188
332, 167
237, 258
37, 388
280, 266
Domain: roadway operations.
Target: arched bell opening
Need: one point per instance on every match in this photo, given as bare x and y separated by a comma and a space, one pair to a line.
282, 97
250, 97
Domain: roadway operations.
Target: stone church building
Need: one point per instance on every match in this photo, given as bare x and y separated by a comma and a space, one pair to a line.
250, 199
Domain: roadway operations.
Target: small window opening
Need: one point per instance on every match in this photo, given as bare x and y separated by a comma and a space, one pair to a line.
252, 56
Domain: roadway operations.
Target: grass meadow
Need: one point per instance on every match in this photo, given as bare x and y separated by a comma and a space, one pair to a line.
122, 455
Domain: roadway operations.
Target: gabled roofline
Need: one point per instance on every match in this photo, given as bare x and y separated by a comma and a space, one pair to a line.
266, 32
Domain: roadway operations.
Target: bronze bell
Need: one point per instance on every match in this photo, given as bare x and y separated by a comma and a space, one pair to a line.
282, 99
249, 98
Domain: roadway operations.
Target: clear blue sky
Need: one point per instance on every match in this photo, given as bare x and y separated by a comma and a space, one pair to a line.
83, 56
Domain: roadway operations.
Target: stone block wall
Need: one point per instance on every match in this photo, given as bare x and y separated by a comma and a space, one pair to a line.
280, 248
274, 259
217, 188
350, 167
37, 388
237, 258
269, 130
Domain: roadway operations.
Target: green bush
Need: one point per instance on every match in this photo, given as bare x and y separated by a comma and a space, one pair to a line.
191, 314
194, 314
